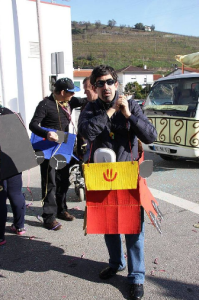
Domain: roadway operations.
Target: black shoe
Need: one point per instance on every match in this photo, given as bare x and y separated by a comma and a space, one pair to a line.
54, 225
65, 216
108, 273
136, 291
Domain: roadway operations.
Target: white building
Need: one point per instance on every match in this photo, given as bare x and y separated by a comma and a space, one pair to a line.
20, 68
143, 76
147, 28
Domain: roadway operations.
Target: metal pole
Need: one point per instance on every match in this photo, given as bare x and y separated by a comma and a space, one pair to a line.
182, 68
56, 56
2, 76
41, 48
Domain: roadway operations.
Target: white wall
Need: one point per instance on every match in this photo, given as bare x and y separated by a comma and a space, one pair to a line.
140, 78
20, 71
9, 90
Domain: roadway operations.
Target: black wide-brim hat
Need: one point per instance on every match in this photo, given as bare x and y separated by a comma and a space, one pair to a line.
66, 84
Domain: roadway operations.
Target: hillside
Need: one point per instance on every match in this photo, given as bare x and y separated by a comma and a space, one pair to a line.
122, 47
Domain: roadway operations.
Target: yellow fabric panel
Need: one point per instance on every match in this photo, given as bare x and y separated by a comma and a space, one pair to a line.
111, 176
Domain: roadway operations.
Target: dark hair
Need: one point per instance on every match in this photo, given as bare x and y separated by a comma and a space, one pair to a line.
101, 71
57, 91
86, 78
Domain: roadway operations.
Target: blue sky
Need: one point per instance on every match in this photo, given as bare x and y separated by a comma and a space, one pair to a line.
174, 16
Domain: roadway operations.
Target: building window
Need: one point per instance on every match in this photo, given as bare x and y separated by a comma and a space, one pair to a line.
77, 83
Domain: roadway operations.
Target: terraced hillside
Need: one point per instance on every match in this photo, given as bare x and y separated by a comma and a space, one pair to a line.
122, 47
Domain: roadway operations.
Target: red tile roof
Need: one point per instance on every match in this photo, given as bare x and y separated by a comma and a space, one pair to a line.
134, 69
156, 76
52, 3
82, 73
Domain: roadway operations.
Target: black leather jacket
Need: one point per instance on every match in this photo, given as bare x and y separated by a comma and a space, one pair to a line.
95, 125
47, 115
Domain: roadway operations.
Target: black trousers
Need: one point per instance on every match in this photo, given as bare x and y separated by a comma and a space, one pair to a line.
11, 188
55, 184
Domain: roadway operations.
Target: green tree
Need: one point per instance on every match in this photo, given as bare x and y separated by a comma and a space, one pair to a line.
87, 24
122, 26
97, 24
152, 27
74, 24
77, 31
134, 88
111, 23
139, 26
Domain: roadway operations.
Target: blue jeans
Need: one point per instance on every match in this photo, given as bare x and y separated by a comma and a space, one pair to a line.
11, 189
135, 253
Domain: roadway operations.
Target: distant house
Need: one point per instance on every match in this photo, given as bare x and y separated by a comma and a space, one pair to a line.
143, 76
178, 71
147, 28
79, 75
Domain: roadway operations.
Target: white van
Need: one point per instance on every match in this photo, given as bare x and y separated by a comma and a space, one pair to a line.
172, 107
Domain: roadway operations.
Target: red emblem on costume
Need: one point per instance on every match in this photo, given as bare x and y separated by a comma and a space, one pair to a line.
109, 178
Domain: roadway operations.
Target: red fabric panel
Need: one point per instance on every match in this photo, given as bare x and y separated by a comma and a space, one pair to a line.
113, 197
113, 212
146, 197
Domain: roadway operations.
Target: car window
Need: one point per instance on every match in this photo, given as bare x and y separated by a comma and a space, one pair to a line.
176, 92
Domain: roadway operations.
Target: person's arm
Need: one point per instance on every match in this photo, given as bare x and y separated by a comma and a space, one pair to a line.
140, 124
90, 125
38, 116
77, 102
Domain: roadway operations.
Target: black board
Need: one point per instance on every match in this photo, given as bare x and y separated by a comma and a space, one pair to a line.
16, 152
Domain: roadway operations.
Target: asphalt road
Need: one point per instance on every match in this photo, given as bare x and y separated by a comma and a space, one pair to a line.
59, 265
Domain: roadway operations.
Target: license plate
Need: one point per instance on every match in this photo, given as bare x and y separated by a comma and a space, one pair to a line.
162, 149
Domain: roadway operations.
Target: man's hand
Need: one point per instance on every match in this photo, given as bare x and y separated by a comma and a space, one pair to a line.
122, 105
52, 136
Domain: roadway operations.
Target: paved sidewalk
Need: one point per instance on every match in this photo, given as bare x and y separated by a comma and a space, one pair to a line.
65, 264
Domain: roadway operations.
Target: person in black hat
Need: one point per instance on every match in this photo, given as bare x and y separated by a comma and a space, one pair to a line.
50, 114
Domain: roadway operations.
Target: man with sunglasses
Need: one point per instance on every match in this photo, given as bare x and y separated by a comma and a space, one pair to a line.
113, 122
55, 112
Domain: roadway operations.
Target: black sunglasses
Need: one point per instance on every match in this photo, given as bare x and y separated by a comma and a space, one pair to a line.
101, 83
